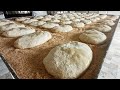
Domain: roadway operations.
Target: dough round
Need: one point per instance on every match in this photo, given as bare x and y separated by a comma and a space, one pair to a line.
16, 32
102, 16
109, 22
78, 24
76, 20
10, 26
103, 28
68, 61
86, 21
46, 19
113, 18
93, 20
37, 23
92, 37
21, 19
62, 28
53, 20
4, 22
32, 40
49, 25
97, 18
29, 21
65, 22
38, 17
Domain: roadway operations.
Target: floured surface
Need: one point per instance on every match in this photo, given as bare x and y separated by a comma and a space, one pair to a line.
28, 64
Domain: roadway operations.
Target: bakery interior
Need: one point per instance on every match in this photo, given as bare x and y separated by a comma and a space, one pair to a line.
59, 45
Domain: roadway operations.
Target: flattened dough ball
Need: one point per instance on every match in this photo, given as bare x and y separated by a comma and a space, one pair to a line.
92, 37
69, 60
32, 40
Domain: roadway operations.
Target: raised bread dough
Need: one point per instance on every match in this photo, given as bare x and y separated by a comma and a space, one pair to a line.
49, 25
97, 18
57, 16
62, 28
76, 20
103, 28
4, 22
32, 40
53, 20
69, 60
71, 17
21, 18
38, 17
65, 22
64, 19
78, 24
37, 23
20, 31
48, 16
93, 19
92, 37
10, 26
114, 18
28, 21
46, 19
102, 16
109, 22
86, 21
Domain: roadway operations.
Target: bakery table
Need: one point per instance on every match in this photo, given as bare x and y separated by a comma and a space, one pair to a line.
94, 68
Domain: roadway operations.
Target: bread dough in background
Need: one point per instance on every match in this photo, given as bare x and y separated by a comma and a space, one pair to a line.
62, 28
92, 37
38, 17
103, 28
113, 18
37, 23
53, 20
16, 32
109, 22
10, 26
21, 19
69, 60
86, 21
49, 25
66, 22
32, 40
103, 16
78, 24
28, 21
5, 21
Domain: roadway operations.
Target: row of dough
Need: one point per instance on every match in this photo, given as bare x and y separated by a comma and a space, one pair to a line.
50, 21
90, 36
55, 27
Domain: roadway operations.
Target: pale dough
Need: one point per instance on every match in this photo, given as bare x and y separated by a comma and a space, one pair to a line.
92, 37
37, 23
69, 60
103, 28
32, 40
49, 25
16, 32
62, 28
21, 18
